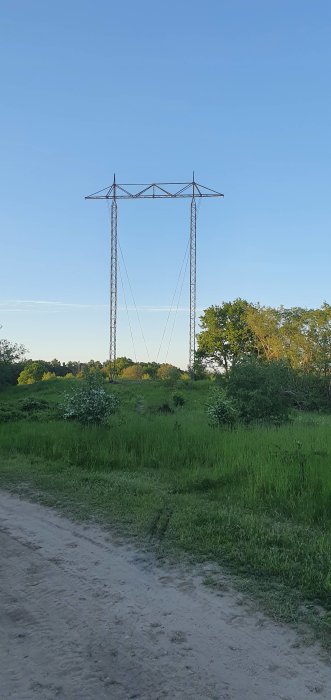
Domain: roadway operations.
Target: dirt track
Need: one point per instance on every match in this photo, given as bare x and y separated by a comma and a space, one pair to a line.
83, 618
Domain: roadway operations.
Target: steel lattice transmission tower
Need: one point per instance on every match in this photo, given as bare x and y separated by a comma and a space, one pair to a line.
154, 190
193, 283
113, 285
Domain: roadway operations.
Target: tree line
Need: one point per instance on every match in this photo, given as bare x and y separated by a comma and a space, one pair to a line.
239, 329
230, 333
15, 369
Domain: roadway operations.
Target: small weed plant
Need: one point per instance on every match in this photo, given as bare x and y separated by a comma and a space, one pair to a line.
221, 410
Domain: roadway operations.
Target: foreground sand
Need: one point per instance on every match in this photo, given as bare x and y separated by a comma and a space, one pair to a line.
83, 617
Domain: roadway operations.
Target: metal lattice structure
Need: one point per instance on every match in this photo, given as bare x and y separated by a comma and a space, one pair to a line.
113, 288
155, 190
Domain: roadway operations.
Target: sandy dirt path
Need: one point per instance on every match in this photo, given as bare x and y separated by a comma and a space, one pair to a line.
82, 617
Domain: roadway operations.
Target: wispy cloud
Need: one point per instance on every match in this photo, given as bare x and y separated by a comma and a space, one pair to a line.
44, 306
63, 307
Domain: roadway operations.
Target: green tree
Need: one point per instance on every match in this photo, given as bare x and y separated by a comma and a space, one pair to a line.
48, 376
32, 372
121, 363
134, 372
318, 337
71, 367
264, 324
300, 336
10, 356
150, 368
168, 373
226, 336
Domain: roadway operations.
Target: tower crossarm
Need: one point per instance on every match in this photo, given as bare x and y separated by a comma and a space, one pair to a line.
155, 190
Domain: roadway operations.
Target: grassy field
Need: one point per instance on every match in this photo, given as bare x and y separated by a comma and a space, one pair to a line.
255, 500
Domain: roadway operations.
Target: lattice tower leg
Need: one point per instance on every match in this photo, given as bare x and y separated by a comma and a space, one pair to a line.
193, 283
113, 290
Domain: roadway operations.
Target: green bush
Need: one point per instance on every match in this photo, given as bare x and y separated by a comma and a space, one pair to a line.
221, 409
308, 392
9, 412
31, 404
178, 400
48, 376
27, 409
164, 408
259, 390
89, 403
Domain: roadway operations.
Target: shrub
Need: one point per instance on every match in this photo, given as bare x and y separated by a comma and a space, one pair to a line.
309, 392
47, 376
258, 389
89, 403
221, 409
133, 372
31, 404
26, 409
178, 400
9, 412
165, 408
140, 403
168, 373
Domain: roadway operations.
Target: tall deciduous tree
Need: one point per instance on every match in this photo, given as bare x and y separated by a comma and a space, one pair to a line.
32, 372
226, 335
134, 372
10, 355
168, 372
299, 336
264, 324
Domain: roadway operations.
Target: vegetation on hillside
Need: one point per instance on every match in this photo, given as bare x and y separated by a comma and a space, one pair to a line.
233, 467
256, 500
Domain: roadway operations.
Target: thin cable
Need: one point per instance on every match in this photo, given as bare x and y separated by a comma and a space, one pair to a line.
180, 293
134, 303
173, 299
133, 299
176, 311
128, 315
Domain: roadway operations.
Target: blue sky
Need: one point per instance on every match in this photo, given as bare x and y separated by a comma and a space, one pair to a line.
238, 91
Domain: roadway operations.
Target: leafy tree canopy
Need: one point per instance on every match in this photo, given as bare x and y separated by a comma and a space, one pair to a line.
32, 372
226, 335
239, 329
134, 372
10, 355
168, 372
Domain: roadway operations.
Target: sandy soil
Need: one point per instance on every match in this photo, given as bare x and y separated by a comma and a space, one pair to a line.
82, 617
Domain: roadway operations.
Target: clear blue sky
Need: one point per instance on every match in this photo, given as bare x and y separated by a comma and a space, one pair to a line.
239, 91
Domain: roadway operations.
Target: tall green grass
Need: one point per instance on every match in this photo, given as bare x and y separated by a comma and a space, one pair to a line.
255, 499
